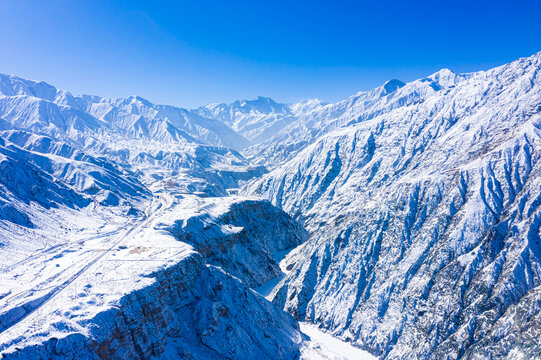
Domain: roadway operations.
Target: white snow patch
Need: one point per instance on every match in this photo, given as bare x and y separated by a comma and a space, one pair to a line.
327, 347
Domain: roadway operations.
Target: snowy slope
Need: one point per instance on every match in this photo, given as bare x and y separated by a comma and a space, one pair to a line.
323, 346
243, 247
40, 107
36, 169
315, 119
423, 209
138, 292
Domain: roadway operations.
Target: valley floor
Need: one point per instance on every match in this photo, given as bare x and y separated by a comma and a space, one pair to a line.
323, 346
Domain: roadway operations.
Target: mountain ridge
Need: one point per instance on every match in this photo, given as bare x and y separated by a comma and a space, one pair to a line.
423, 219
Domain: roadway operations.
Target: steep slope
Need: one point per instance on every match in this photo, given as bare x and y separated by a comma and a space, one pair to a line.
423, 209
140, 293
139, 116
316, 119
72, 166
38, 186
244, 240
36, 169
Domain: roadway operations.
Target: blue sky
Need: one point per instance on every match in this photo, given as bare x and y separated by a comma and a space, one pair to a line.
189, 53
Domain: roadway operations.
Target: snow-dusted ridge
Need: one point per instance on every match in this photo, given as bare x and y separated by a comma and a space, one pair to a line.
423, 209
137, 292
409, 215
257, 120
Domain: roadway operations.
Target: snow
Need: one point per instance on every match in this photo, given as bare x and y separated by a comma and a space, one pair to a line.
99, 186
257, 120
266, 289
322, 346
404, 220
318, 345
64, 290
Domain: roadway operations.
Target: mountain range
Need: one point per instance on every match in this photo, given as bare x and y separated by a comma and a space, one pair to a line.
403, 220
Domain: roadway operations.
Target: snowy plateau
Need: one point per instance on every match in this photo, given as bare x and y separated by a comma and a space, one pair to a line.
400, 223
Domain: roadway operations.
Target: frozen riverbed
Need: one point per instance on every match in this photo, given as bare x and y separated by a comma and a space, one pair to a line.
319, 345
323, 346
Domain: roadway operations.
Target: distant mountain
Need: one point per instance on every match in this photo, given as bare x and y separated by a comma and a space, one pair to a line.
40, 107
257, 120
319, 118
131, 132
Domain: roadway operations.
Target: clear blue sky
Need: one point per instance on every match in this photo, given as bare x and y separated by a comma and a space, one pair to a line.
190, 53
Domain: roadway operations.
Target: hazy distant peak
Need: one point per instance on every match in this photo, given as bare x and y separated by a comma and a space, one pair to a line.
307, 105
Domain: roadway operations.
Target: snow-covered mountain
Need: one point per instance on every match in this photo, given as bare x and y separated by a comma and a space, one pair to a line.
404, 220
422, 201
257, 120
94, 194
316, 118
40, 107
121, 236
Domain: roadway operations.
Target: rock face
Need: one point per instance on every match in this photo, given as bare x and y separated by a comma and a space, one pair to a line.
423, 209
191, 311
150, 295
244, 240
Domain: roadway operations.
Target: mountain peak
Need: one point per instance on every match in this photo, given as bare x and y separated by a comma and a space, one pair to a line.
139, 99
264, 98
261, 103
392, 85
442, 74
260, 100
445, 78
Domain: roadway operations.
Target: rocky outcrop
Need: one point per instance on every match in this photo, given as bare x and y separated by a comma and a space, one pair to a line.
190, 311
244, 240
